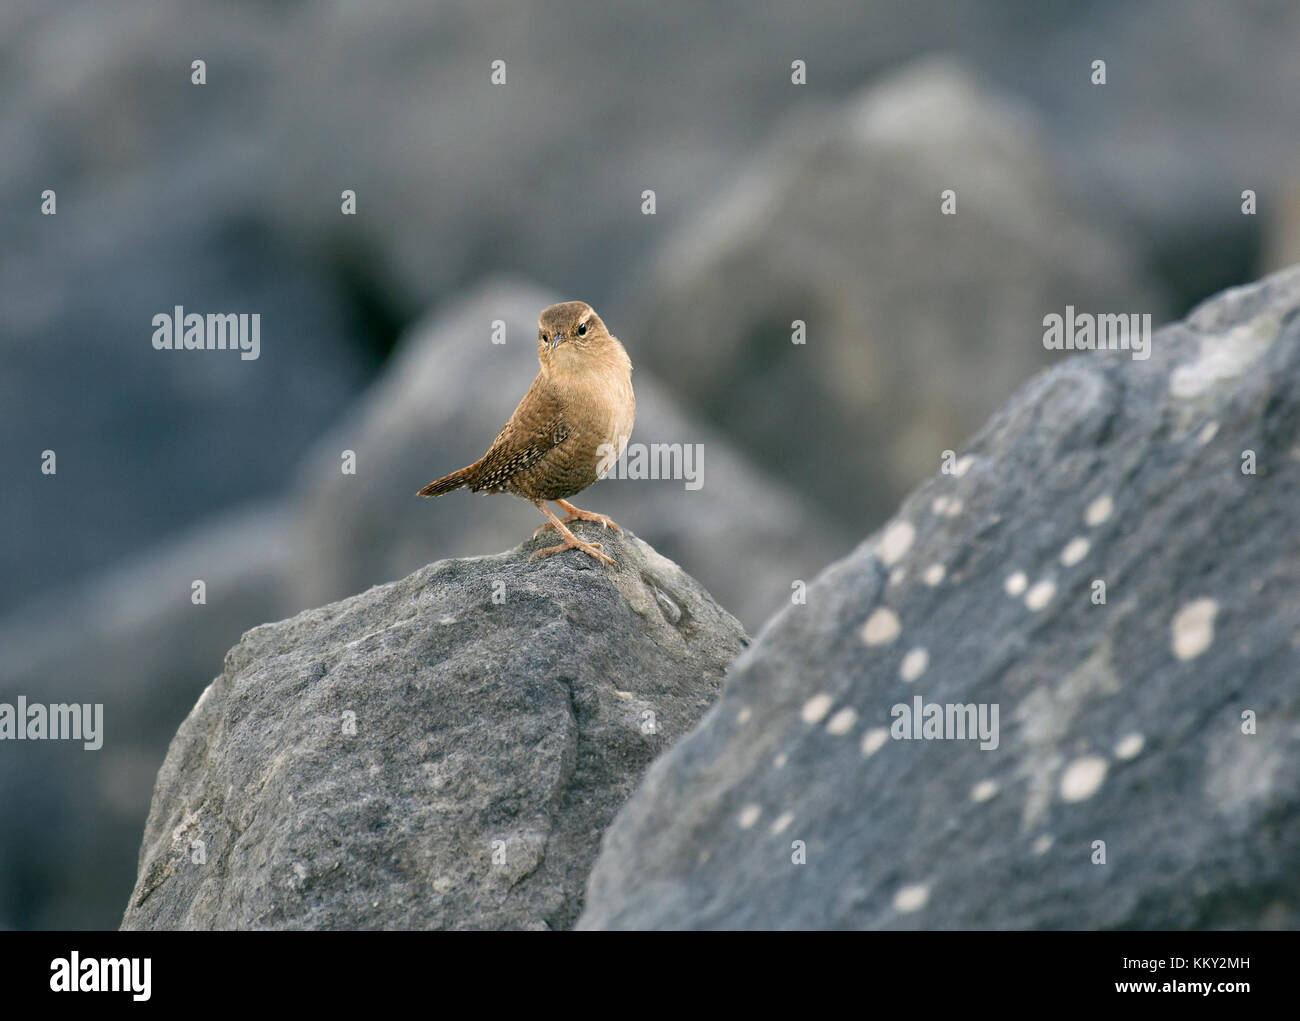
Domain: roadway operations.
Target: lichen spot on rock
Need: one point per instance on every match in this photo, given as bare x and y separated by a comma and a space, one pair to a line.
914, 664
842, 722
912, 897
1075, 550
873, 741
816, 708
1083, 778
983, 791
1099, 511
1040, 595
882, 627
1192, 629
896, 541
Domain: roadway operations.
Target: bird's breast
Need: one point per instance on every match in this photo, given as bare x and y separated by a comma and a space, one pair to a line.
604, 412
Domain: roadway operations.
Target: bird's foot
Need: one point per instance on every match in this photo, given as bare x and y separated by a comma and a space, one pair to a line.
577, 514
592, 549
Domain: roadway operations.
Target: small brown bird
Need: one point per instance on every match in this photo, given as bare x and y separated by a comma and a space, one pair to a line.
572, 424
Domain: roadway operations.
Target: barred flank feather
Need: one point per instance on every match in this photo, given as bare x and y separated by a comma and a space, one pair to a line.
448, 483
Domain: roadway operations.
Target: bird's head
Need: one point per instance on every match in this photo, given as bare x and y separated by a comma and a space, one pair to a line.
569, 334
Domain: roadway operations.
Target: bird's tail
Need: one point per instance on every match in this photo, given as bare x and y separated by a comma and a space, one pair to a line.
448, 483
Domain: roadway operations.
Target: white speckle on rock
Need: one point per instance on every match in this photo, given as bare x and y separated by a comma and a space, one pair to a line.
1075, 550
781, 759
1082, 778
782, 823
1208, 433
963, 465
1040, 595
896, 541
1225, 356
912, 897
985, 790
748, 816
954, 508
1099, 511
882, 627
1130, 747
1043, 844
1192, 629
842, 722
939, 505
934, 574
744, 715
447, 620
191, 819
1015, 584
873, 741
816, 708
897, 575
914, 664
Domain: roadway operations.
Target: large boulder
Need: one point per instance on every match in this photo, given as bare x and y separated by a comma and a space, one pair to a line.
446, 393
440, 752
1145, 771
839, 225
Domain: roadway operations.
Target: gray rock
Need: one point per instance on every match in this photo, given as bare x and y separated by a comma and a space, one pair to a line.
446, 393
839, 225
423, 755
1120, 722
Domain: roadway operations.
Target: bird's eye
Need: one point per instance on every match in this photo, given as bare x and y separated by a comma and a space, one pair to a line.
582, 330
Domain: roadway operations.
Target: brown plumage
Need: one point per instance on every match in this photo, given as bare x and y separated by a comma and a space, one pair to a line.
571, 425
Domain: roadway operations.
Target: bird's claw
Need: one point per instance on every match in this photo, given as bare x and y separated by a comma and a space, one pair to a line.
592, 549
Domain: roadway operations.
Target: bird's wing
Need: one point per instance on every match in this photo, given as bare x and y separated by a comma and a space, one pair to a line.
537, 426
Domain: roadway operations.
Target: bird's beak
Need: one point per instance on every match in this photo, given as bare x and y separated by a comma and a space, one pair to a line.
555, 341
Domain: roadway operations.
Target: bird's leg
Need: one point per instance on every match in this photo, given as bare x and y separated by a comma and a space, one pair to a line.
576, 514
581, 515
571, 541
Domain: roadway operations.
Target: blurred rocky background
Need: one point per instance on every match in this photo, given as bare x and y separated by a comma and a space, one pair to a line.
477, 202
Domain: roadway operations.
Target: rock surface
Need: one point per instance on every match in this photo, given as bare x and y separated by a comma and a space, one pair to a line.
838, 224
1128, 722
448, 390
440, 752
